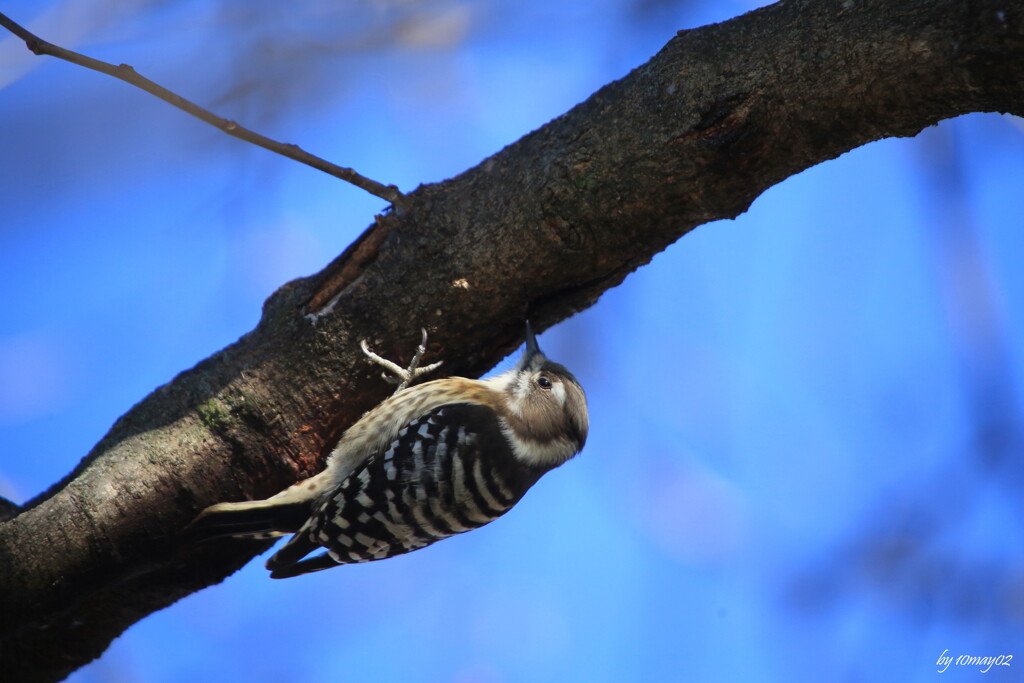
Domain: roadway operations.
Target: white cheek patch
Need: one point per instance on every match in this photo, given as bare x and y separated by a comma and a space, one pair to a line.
531, 452
558, 389
521, 388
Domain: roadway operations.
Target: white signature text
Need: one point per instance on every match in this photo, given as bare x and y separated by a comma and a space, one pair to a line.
983, 663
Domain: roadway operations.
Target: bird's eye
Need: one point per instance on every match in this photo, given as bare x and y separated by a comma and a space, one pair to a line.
544, 382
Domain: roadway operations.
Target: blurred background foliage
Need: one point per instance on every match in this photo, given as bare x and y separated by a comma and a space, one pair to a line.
805, 458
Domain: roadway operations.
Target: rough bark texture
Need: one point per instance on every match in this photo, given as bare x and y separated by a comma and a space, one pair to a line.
540, 229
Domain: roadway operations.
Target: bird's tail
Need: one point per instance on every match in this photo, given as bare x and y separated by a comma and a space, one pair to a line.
253, 519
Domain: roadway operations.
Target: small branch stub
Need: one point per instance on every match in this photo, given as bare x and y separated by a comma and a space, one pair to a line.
403, 377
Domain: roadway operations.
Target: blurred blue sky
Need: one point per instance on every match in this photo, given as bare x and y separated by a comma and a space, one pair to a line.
804, 461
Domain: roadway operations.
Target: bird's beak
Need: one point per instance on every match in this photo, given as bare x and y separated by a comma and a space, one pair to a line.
532, 349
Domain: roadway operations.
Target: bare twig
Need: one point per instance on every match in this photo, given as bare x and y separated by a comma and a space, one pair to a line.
128, 74
403, 377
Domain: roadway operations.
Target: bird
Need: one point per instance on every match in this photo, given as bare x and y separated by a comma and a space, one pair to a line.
433, 460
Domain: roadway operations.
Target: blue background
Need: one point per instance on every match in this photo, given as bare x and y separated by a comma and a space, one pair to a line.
804, 459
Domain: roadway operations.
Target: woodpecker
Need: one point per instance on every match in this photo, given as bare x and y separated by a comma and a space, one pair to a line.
433, 460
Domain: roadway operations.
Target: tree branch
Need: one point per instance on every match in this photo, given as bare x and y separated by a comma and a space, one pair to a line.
540, 229
8, 509
128, 74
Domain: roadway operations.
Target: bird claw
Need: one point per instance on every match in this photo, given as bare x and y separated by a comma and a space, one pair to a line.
403, 377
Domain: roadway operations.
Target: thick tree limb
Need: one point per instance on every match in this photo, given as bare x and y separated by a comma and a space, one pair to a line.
129, 75
541, 229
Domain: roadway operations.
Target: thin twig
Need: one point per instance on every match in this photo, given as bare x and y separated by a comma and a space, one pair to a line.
403, 377
127, 74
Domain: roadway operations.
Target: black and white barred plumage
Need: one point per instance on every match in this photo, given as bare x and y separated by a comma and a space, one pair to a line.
432, 461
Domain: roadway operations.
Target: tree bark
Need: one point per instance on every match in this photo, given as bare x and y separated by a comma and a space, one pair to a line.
540, 229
